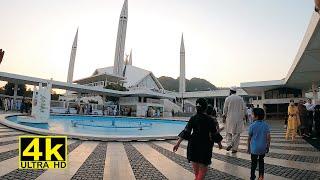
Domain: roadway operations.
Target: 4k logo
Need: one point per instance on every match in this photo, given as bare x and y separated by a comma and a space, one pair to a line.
42, 152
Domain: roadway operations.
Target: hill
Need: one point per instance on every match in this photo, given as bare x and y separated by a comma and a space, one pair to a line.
194, 84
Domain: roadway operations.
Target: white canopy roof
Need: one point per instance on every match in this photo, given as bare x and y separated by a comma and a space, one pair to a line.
305, 68
133, 75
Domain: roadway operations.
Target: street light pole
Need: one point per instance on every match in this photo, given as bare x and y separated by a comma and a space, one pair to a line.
182, 102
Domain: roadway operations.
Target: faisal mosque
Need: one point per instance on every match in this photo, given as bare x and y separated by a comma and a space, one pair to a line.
125, 87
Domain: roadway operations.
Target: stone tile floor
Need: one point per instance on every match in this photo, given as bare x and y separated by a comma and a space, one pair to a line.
155, 160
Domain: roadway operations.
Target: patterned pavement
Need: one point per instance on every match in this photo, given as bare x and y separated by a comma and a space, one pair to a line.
155, 160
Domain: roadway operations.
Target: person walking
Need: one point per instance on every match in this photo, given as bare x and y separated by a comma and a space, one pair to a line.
249, 114
12, 103
310, 108
302, 117
317, 120
212, 113
258, 142
293, 120
201, 134
233, 115
5, 105
8, 104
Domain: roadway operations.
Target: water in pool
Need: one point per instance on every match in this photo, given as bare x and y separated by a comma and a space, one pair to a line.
111, 126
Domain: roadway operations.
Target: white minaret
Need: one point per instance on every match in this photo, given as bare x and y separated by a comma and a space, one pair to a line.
121, 40
182, 80
72, 59
130, 58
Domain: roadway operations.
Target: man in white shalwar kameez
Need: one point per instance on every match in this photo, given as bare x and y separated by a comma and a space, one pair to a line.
234, 113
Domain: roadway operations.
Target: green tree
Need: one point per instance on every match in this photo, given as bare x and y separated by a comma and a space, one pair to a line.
28, 93
9, 89
115, 87
54, 96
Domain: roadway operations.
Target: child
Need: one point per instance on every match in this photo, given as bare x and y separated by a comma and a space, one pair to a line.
212, 113
258, 142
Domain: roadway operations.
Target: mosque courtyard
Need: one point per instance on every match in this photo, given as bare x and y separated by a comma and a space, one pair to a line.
155, 159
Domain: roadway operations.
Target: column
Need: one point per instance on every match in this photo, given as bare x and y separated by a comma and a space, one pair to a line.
79, 95
262, 95
104, 97
15, 93
215, 102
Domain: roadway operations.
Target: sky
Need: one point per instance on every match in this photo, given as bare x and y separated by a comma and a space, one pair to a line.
226, 42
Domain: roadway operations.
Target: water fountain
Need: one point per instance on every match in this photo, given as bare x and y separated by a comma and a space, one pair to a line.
40, 105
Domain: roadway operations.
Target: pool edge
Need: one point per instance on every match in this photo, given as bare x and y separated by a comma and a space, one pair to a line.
7, 123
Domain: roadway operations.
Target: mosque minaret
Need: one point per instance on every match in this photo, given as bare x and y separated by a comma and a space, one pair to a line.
182, 79
72, 58
121, 40
130, 58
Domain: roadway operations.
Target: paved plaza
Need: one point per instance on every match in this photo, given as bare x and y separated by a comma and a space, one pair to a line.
155, 160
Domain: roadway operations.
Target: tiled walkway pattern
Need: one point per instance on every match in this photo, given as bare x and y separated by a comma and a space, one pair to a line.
155, 160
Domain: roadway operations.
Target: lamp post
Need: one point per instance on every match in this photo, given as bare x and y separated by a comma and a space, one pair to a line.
182, 101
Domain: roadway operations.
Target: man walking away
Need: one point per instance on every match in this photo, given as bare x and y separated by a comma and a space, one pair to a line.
310, 108
233, 114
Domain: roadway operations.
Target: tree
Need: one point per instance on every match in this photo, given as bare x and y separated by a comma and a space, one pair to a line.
115, 87
28, 93
54, 95
9, 89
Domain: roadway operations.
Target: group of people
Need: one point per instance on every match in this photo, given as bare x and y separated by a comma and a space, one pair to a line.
22, 105
8, 104
152, 112
302, 119
83, 109
87, 109
202, 131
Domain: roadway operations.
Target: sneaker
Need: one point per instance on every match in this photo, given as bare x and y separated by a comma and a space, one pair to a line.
229, 148
260, 178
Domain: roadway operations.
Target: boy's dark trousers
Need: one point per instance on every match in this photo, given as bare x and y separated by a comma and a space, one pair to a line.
254, 162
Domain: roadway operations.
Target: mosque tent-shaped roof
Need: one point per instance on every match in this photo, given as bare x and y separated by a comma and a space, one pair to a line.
133, 75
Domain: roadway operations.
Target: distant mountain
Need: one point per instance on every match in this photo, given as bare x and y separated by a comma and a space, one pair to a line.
195, 84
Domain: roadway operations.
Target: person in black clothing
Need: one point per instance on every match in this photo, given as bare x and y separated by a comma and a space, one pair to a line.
23, 105
201, 133
90, 109
303, 118
310, 108
317, 119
